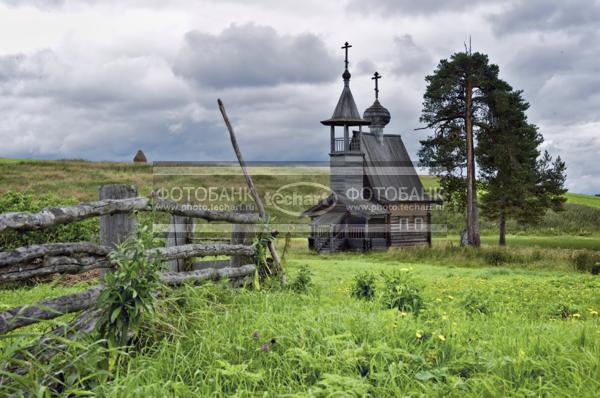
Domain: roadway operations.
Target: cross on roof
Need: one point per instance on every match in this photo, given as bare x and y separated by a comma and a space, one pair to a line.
346, 47
376, 76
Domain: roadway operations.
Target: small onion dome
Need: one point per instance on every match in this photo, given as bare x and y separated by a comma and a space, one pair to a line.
377, 114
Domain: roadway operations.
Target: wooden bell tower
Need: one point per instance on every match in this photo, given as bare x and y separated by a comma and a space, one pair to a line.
346, 159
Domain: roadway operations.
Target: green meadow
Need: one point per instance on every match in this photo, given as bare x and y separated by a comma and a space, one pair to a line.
484, 331
516, 342
516, 321
581, 199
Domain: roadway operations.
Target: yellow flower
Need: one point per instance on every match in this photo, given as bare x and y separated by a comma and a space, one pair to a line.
403, 314
576, 315
395, 324
441, 337
450, 297
418, 334
594, 313
438, 300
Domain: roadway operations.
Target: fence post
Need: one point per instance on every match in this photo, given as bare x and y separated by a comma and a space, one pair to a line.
180, 233
116, 228
242, 234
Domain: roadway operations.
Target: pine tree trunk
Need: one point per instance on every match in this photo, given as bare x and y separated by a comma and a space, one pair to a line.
502, 239
472, 223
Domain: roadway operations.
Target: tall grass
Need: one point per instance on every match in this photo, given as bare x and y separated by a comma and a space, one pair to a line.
211, 341
576, 219
481, 331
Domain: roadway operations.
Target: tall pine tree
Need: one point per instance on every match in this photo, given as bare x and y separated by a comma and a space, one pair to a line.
456, 107
507, 155
519, 184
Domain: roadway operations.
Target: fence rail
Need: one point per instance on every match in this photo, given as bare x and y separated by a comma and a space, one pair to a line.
76, 257
64, 215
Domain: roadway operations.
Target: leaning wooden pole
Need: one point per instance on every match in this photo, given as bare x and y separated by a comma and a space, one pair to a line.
259, 204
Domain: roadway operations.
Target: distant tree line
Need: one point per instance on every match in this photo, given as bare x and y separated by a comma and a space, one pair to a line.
480, 129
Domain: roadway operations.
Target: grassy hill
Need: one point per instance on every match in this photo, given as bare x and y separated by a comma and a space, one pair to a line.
78, 180
582, 199
573, 198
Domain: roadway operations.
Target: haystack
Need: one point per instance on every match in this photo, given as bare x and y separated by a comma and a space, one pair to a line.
140, 157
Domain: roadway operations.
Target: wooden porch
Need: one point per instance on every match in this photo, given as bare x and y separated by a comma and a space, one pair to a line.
346, 237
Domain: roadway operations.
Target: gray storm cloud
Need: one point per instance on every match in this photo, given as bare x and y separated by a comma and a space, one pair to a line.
548, 16
412, 7
251, 55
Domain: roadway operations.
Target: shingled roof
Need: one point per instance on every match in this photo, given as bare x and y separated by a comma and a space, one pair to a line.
388, 165
346, 113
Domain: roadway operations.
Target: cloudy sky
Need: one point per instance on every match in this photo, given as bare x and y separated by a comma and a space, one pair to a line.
100, 79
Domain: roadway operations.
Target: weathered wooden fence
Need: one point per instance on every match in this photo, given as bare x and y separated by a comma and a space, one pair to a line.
116, 209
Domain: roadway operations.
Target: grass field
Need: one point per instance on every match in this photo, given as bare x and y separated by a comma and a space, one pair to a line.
560, 241
329, 344
581, 199
485, 331
518, 321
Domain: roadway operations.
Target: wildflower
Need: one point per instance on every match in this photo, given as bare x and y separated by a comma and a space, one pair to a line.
255, 334
438, 300
593, 313
576, 315
403, 314
418, 334
264, 347
450, 297
441, 337
395, 324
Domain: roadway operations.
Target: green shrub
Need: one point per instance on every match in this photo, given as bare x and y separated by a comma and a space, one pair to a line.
564, 311
129, 291
363, 287
86, 230
575, 219
496, 256
584, 261
401, 291
475, 303
302, 281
